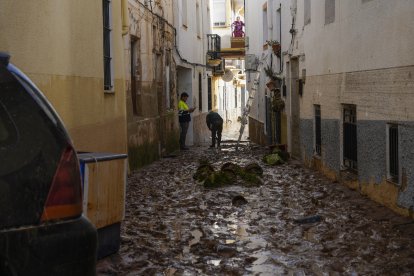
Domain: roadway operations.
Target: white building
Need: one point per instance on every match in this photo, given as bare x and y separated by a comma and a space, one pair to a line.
192, 23
348, 70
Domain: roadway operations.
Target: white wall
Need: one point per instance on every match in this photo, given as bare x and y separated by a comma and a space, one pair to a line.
192, 48
370, 35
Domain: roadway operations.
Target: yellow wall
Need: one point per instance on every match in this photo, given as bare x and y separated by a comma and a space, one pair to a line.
58, 44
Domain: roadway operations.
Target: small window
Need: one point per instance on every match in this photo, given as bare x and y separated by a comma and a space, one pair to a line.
265, 24
307, 12
318, 132
198, 21
329, 11
350, 150
107, 29
184, 13
219, 13
393, 156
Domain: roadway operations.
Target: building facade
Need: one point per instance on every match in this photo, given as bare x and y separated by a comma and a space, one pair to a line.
347, 84
151, 101
267, 122
192, 24
61, 47
229, 94
355, 90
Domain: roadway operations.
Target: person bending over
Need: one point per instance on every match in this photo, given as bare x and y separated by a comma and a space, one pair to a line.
215, 125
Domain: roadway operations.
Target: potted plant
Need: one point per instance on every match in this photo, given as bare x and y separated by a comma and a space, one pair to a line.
275, 46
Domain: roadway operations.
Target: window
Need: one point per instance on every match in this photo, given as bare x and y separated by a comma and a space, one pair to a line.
200, 92
184, 12
155, 42
134, 71
318, 132
198, 21
265, 24
106, 9
329, 11
350, 137
307, 11
208, 16
219, 13
393, 156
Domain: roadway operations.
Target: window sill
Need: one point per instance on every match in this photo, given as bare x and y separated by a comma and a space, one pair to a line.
109, 92
393, 182
317, 156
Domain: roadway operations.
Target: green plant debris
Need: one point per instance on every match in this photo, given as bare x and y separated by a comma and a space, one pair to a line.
250, 179
203, 172
217, 179
283, 154
229, 174
254, 168
273, 159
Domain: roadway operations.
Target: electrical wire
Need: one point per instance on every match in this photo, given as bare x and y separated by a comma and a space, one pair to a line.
175, 37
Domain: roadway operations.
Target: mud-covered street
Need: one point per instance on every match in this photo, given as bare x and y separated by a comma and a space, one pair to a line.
175, 226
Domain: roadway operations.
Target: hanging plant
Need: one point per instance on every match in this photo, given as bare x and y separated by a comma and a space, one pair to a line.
278, 104
271, 74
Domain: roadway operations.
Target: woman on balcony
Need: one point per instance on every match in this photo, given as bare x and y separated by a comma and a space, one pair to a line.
238, 28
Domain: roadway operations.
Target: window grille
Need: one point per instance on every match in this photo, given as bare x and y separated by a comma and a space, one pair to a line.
350, 137
393, 157
106, 6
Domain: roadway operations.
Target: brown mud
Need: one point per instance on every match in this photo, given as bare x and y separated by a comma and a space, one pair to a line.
176, 226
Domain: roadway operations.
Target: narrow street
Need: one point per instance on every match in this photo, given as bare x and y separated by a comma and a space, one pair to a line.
175, 226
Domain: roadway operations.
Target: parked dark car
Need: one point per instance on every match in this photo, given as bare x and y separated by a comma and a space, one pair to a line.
42, 230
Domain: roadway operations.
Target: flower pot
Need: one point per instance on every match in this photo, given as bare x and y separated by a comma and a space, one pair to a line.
276, 49
271, 85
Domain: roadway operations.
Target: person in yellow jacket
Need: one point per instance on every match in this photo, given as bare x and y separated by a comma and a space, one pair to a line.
184, 118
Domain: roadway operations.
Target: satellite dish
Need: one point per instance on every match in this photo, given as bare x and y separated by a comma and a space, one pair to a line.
228, 75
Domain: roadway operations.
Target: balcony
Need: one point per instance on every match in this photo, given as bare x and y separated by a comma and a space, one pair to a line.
236, 50
216, 54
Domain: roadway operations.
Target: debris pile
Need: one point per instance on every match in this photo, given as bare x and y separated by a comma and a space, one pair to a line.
278, 156
229, 174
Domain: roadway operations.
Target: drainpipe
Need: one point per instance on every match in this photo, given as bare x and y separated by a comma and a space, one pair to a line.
125, 17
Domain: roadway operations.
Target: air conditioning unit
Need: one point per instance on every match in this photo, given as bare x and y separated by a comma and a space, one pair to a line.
251, 62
